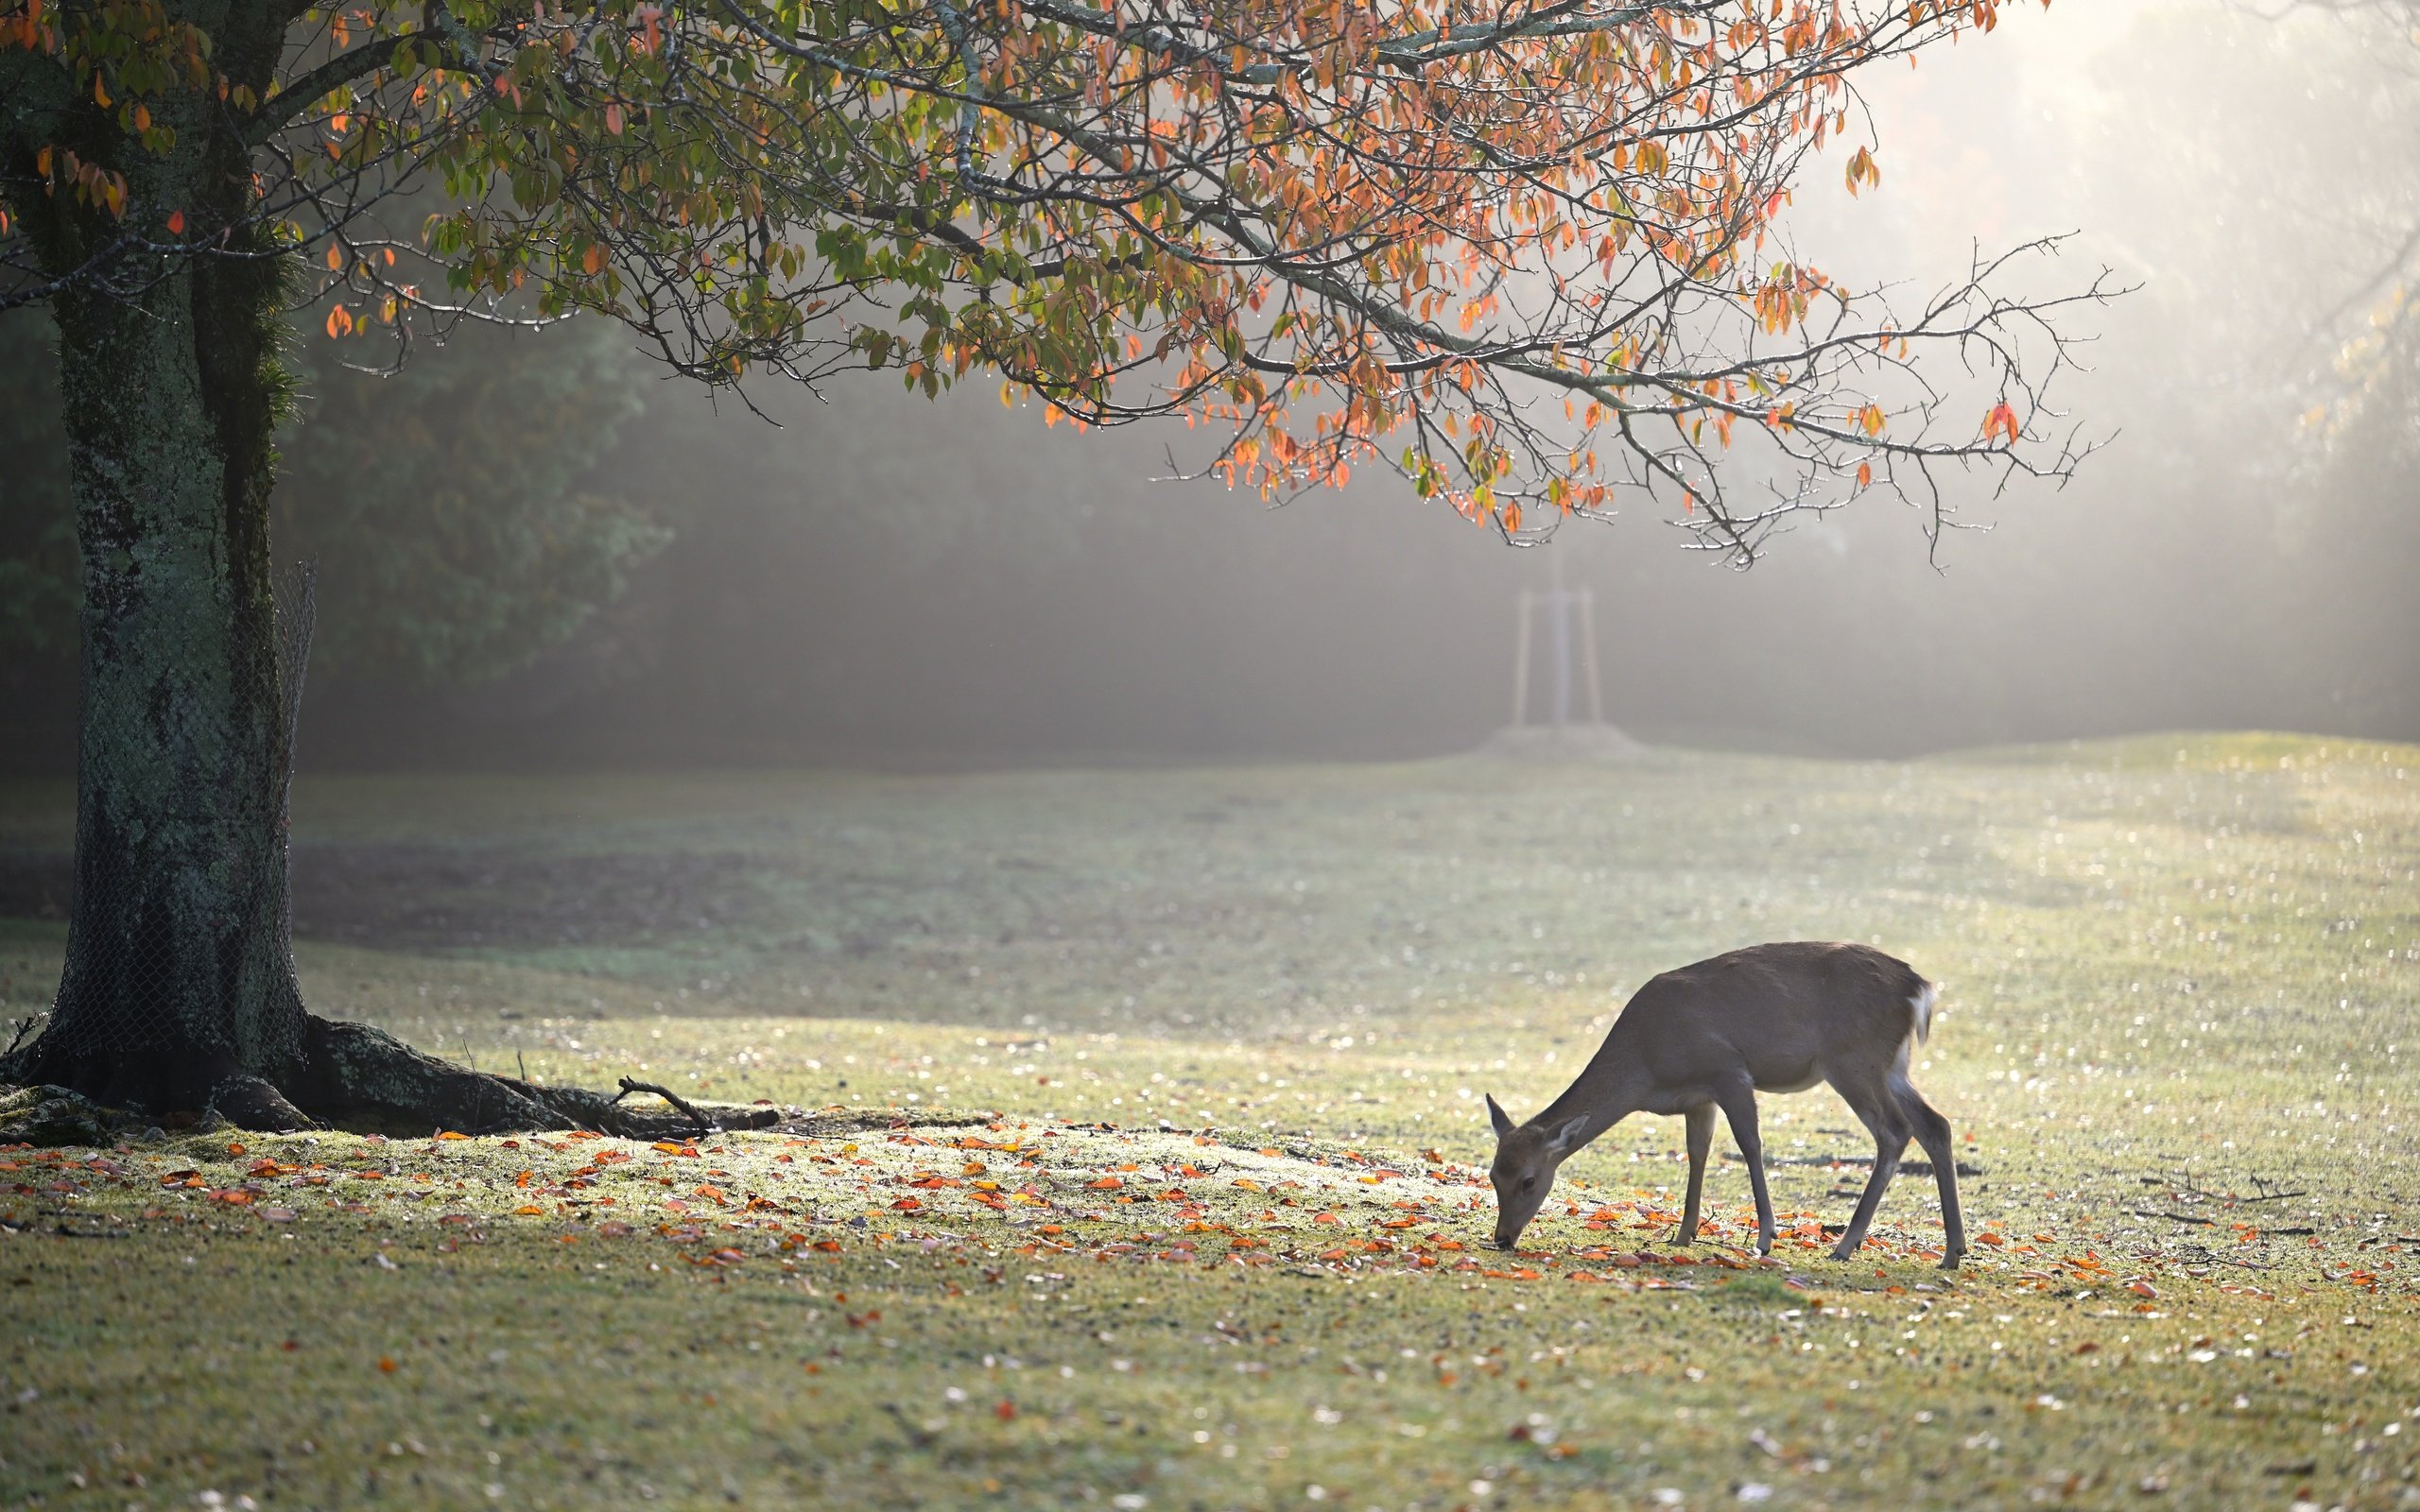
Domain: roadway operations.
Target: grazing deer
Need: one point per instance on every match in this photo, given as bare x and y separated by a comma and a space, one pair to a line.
1772, 1018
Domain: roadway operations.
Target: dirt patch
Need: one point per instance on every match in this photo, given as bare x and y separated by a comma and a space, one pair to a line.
452, 897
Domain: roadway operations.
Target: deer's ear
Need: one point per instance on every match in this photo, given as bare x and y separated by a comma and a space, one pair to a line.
1497, 1118
1569, 1137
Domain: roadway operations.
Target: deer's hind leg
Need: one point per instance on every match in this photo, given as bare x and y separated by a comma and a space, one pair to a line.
1878, 1108
1700, 1128
1932, 1133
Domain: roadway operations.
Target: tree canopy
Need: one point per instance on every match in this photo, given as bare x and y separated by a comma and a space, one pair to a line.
1528, 255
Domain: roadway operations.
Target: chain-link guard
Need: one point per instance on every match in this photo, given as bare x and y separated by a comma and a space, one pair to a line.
127, 986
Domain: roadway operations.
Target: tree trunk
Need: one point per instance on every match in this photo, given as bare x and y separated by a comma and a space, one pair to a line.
178, 977
179, 993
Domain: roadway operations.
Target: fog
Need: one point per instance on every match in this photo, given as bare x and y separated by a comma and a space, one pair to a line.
879, 579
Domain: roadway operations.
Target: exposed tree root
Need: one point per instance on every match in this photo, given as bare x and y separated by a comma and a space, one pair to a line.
364, 1080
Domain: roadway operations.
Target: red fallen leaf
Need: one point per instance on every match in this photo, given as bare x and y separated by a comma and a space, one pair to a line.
711, 1194
908, 1204
829, 1246
449, 1134
235, 1149
528, 1210
1107, 1184
1004, 1411
386, 1363
726, 1257
1400, 1223
614, 1228
1993, 1240
1325, 1217
176, 222
290, 1346
2142, 1289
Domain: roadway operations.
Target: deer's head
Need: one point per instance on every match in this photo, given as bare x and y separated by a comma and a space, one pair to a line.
1526, 1158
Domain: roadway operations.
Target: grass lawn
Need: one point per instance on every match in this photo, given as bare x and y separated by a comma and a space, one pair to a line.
1139, 1157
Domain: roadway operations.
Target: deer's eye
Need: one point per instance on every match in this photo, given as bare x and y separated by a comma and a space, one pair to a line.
1529, 1181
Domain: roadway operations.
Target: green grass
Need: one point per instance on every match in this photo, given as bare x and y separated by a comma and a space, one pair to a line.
2180, 978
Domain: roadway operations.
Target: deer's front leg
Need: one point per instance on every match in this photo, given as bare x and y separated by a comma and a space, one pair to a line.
1701, 1127
1738, 1101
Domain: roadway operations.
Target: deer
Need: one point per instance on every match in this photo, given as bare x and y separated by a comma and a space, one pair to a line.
1775, 1018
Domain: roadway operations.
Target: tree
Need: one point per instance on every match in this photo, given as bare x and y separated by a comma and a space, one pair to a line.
456, 511
1526, 254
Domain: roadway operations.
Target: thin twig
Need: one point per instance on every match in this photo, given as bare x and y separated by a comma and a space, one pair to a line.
705, 1125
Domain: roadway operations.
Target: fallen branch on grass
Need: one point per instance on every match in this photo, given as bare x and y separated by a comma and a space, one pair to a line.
705, 1126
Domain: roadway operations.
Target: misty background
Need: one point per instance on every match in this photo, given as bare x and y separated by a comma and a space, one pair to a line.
535, 551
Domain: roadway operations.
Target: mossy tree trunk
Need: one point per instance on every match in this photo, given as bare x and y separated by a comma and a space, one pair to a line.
179, 992
178, 981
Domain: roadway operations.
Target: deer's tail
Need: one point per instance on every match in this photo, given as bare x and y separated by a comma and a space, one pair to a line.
1920, 1008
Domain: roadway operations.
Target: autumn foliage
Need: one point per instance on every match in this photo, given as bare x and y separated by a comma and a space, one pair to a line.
1529, 256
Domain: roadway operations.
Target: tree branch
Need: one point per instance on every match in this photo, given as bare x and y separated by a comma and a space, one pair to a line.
279, 110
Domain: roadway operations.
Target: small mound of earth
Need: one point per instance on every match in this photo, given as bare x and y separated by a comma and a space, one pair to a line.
1565, 743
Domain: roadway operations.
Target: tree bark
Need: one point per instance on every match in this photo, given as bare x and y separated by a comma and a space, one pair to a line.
179, 992
178, 978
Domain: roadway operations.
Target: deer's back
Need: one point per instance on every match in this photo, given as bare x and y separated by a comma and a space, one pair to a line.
1789, 1012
